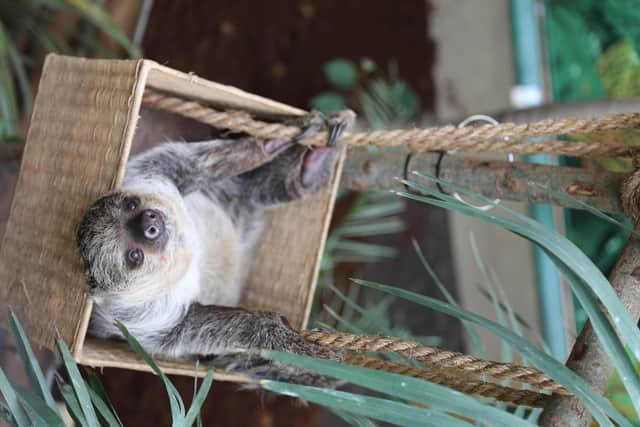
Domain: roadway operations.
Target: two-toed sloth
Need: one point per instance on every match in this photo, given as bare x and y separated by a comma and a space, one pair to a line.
167, 254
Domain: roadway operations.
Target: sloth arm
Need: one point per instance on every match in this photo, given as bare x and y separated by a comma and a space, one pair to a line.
231, 339
193, 166
207, 330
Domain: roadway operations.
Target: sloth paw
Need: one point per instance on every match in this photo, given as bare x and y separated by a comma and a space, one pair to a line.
317, 162
334, 124
297, 170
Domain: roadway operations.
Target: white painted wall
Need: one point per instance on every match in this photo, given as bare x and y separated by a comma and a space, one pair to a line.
474, 74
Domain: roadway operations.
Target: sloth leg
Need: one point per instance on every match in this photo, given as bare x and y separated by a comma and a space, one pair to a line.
231, 339
212, 330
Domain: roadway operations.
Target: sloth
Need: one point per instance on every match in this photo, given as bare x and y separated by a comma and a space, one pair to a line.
167, 254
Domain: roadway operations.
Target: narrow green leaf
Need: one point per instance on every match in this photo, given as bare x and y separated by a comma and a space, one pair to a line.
474, 337
506, 349
374, 321
537, 233
195, 392
382, 94
48, 41
365, 249
605, 332
78, 384
37, 409
72, 403
569, 259
585, 206
194, 410
375, 114
96, 385
342, 322
30, 361
104, 409
380, 409
376, 209
372, 228
13, 402
8, 102
93, 13
21, 76
175, 401
550, 366
434, 396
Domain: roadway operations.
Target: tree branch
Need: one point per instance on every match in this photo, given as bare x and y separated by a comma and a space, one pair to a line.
378, 170
588, 358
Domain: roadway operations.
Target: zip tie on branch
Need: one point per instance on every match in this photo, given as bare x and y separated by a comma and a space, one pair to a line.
452, 362
489, 390
615, 131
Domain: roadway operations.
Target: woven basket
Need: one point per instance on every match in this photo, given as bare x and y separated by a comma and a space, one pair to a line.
87, 117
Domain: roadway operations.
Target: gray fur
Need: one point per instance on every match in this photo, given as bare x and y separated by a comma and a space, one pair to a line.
211, 196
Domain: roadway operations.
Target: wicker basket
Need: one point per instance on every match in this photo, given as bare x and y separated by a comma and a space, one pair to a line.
86, 118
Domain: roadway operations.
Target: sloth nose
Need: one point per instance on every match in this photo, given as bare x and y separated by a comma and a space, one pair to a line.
152, 224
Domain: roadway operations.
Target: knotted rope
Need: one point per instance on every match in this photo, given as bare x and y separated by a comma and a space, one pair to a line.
502, 138
434, 357
458, 371
461, 372
485, 389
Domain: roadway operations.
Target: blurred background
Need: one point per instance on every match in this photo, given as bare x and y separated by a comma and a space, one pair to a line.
397, 64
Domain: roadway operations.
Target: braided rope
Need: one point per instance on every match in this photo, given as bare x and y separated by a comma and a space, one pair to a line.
472, 387
502, 138
454, 363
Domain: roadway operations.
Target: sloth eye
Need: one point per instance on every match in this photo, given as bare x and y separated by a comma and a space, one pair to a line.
135, 258
131, 203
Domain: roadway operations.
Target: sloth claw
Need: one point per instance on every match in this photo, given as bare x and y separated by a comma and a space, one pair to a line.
335, 124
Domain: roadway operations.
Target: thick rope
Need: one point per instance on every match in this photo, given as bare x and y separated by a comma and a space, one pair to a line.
447, 362
489, 390
502, 138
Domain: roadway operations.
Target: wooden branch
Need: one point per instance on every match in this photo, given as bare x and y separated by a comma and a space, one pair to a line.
588, 358
377, 170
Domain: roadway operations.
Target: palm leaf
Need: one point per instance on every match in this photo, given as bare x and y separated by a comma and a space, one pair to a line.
374, 407
12, 401
77, 383
432, 395
30, 362
550, 366
587, 284
175, 401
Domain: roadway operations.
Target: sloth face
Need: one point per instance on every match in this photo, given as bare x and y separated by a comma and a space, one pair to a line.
126, 240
